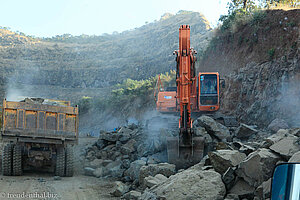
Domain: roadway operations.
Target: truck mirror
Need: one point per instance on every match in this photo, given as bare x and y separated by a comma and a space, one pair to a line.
286, 182
222, 82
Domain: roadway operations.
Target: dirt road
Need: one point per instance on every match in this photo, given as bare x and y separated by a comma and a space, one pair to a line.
41, 184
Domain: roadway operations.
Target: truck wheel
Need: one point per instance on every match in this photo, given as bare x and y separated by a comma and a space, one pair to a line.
17, 161
60, 162
7, 160
69, 161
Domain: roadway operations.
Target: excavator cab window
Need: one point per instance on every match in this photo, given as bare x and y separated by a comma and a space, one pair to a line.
208, 89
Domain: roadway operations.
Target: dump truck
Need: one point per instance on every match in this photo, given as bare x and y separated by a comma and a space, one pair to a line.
38, 133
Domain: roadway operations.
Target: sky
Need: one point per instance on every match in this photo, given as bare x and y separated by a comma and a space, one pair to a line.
47, 18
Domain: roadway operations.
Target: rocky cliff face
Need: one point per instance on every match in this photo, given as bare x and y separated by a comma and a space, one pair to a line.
259, 93
262, 73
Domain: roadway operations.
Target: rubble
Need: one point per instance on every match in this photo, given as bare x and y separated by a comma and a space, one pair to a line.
236, 168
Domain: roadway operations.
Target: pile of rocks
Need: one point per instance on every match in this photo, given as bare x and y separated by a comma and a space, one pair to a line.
123, 152
238, 165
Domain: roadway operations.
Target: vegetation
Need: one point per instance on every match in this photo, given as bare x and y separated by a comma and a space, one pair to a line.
241, 11
128, 95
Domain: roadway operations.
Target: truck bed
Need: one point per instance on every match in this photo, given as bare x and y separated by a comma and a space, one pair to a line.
38, 122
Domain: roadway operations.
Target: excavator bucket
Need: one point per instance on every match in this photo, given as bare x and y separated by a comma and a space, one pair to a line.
185, 156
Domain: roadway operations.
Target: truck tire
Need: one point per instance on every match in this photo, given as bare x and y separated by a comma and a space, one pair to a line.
7, 160
60, 162
69, 161
17, 161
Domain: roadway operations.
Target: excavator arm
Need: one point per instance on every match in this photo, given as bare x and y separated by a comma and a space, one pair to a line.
186, 149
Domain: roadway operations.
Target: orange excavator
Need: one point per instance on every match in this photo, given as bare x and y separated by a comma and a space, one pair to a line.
192, 95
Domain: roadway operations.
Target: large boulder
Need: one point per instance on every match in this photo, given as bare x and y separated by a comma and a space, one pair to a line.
221, 160
257, 167
191, 184
277, 124
244, 131
134, 170
165, 169
286, 147
214, 128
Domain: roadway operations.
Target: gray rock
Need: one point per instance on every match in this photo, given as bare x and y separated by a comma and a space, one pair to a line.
232, 197
214, 128
124, 131
96, 163
165, 169
57, 178
229, 178
152, 160
295, 157
282, 133
277, 124
242, 189
257, 167
115, 169
246, 149
111, 137
200, 131
119, 189
98, 172
244, 131
129, 147
147, 195
151, 181
132, 195
88, 171
134, 170
286, 147
263, 191
191, 184
221, 160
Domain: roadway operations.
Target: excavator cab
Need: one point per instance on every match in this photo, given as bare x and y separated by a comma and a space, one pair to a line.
209, 91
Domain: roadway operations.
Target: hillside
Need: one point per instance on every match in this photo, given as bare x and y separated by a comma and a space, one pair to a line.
62, 67
267, 35
260, 59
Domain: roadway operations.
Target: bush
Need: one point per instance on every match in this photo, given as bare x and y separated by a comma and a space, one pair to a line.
271, 53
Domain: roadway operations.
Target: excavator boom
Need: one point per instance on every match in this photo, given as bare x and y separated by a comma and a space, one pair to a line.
186, 149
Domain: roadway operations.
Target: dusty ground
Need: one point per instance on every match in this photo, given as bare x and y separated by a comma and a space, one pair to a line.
76, 187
